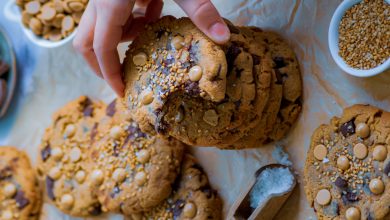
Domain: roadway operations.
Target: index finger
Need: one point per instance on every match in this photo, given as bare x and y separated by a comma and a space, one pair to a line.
111, 17
206, 17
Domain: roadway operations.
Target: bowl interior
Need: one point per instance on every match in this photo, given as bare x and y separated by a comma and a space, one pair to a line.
333, 36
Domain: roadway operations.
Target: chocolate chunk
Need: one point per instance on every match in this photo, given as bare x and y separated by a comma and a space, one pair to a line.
50, 187
46, 152
233, 29
341, 183
177, 208
386, 170
94, 131
192, 88
5, 173
160, 33
88, 111
348, 128
111, 108
256, 59
96, 210
280, 77
231, 55
134, 132
237, 104
161, 127
349, 197
115, 192
21, 201
279, 62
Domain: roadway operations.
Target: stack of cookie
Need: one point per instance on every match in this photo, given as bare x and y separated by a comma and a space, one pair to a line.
348, 166
239, 95
94, 159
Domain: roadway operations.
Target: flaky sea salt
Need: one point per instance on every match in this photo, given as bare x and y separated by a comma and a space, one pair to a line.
270, 181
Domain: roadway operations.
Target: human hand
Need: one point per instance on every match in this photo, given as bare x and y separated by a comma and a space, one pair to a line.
105, 23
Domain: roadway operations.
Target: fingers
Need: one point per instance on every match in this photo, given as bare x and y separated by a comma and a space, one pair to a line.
135, 25
83, 41
143, 3
111, 17
154, 10
206, 17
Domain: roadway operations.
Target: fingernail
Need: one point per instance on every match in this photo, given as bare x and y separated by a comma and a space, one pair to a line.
219, 32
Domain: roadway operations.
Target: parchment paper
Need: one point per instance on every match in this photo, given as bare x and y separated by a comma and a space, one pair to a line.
61, 75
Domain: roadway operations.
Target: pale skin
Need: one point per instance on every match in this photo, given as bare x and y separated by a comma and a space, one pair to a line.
106, 23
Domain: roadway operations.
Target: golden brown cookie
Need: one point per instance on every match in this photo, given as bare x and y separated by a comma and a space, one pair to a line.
192, 198
20, 196
63, 165
200, 110
138, 170
347, 168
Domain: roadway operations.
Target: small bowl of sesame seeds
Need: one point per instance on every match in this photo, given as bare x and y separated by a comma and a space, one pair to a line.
359, 37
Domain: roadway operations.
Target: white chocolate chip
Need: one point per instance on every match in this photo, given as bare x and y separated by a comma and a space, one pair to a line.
67, 201
143, 156
379, 153
55, 173
119, 175
140, 59
189, 210
9, 190
352, 213
7, 215
70, 130
211, 117
80, 176
97, 177
56, 153
377, 186
343, 162
140, 178
116, 132
360, 151
323, 197
320, 152
178, 42
362, 130
195, 73
147, 97
33, 7
75, 154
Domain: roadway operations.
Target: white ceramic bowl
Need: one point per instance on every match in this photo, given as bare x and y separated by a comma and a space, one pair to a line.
12, 12
333, 41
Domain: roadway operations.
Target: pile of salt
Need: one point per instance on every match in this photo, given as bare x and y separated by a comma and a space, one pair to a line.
270, 181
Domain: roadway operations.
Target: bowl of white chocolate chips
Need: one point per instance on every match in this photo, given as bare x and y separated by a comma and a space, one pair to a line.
48, 23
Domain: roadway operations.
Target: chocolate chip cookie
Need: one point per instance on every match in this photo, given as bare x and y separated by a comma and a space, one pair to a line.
172, 93
64, 167
288, 74
193, 198
136, 170
284, 102
20, 196
347, 168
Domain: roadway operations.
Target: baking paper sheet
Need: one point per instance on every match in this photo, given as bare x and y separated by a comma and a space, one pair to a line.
60, 75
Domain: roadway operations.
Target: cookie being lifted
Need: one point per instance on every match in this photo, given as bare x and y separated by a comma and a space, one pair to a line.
348, 166
20, 197
181, 84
